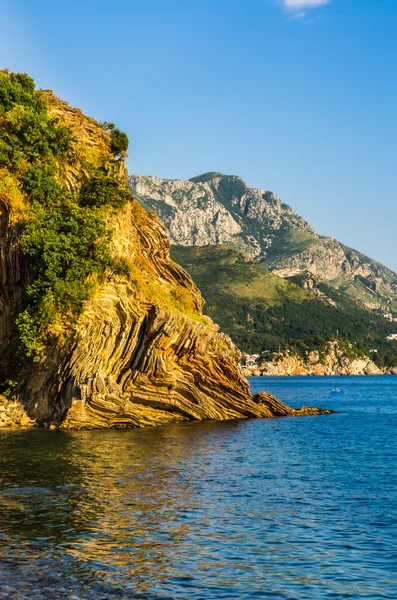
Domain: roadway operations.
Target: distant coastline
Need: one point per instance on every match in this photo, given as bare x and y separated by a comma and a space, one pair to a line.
258, 373
334, 363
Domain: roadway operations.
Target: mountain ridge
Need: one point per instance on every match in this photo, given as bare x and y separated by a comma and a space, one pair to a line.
270, 244
213, 208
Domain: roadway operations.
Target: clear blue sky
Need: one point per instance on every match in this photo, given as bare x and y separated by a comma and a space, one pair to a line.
301, 100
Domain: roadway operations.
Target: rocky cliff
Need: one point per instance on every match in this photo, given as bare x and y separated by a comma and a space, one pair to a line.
138, 351
215, 208
218, 209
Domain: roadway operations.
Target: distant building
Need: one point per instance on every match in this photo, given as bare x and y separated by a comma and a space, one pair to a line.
250, 360
389, 317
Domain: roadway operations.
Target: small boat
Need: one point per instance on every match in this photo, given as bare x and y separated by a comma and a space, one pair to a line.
336, 391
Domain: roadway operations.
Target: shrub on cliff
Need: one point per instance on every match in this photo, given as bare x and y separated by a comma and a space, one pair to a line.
118, 139
66, 245
27, 132
18, 88
119, 142
101, 190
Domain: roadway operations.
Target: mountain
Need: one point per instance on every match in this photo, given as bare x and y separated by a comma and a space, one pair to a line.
222, 209
98, 326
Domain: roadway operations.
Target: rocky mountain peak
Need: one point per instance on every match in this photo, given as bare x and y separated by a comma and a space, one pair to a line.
214, 208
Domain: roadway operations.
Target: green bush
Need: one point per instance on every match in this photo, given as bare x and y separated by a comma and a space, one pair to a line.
18, 89
103, 190
30, 134
118, 142
11, 388
118, 139
40, 184
66, 245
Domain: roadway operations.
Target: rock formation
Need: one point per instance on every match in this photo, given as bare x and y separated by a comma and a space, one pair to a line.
140, 352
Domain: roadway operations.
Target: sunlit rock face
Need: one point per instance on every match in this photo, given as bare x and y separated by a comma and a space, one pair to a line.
334, 361
191, 212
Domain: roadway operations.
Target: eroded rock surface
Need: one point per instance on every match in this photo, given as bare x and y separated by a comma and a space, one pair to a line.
13, 413
278, 409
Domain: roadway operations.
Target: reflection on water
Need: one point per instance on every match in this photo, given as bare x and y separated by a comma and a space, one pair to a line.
288, 508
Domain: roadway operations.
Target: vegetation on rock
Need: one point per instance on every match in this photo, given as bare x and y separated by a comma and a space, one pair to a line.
76, 249
64, 233
118, 139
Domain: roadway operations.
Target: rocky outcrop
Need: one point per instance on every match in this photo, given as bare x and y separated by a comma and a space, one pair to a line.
190, 211
326, 259
215, 209
141, 352
369, 283
13, 414
278, 409
333, 360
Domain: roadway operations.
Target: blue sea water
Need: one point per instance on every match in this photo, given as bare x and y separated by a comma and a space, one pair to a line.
291, 508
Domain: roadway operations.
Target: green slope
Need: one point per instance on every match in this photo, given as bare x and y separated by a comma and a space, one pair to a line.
262, 311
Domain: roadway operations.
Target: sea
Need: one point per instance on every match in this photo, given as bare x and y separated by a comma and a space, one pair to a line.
287, 508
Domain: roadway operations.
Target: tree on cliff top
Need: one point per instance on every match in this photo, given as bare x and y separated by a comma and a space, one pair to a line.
118, 139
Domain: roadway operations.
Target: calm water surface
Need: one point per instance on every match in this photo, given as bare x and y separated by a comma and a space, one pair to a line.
295, 508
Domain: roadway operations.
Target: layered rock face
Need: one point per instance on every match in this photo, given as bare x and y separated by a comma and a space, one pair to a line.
140, 352
215, 208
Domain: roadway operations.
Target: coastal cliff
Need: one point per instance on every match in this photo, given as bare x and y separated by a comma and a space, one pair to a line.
98, 326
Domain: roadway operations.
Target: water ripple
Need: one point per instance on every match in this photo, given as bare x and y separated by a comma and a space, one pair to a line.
293, 509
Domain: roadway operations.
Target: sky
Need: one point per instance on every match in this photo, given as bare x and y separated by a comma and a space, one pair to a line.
294, 96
